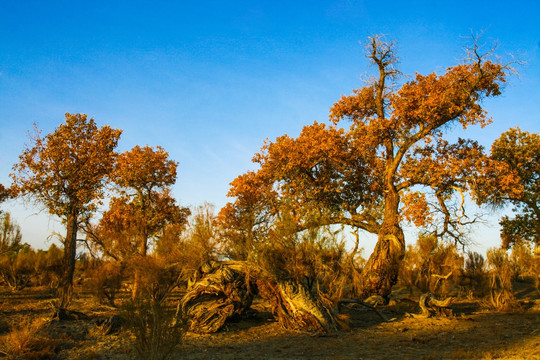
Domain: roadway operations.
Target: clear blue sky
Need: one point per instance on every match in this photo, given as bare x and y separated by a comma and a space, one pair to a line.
210, 80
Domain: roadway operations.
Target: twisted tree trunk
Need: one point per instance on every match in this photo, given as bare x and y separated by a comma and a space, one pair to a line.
429, 305
382, 268
217, 292
220, 291
295, 308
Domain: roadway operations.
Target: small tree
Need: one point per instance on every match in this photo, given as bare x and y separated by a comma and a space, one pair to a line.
65, 171
4, 194
520, 151
10, 235
144, 177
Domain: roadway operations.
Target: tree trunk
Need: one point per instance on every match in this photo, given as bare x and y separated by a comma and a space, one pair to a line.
70, 247
382, 267
295, 308
137, 278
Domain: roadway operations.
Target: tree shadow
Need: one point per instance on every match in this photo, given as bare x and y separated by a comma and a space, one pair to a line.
478, 336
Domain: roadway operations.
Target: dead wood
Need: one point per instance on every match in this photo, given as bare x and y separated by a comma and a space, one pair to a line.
295, 308
110, 325
62, 314
221, 290
430, 305
217, 292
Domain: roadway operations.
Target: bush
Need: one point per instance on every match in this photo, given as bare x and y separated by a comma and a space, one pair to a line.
501, 274
158, 277
17, 269
431, 266
523, 260
314, 258
475, 278
26, 341
105, 280
157, 331
49, 267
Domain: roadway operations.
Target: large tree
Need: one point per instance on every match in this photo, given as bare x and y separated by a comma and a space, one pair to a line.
391, 164
66, 171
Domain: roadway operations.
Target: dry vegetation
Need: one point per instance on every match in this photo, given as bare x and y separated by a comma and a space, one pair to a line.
495, 313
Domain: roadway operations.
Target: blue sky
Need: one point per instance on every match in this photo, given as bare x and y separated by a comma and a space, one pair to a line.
210, 80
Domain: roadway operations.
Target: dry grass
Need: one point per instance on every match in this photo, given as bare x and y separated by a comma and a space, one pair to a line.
471, 334
156, 332
26, 340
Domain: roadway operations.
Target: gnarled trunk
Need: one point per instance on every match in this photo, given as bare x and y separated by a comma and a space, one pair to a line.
429, 305
219, 291
216, 292
382, 268
295, 308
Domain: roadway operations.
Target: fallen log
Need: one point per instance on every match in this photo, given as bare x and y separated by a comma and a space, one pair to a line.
219, 291
367, 305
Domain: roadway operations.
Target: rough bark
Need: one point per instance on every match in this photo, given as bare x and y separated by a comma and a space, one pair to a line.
382, 268
220, 291
217, 292
295, 308
70, 247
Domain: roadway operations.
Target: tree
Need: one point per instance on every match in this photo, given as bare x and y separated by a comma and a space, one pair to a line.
144, 176
10, 235
66, 171
369, 175
520, 150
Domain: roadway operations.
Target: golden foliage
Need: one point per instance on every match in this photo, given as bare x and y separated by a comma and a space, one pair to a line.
65, 170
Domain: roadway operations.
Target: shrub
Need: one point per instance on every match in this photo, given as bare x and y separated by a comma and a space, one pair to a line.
523, 259
17, 269
157, 331
26, 341
315, 258
105, 280
474, 278
158, 276
501, 274
49, 267
431, 265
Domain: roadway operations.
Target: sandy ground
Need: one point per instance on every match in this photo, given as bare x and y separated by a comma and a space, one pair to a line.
471, 333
